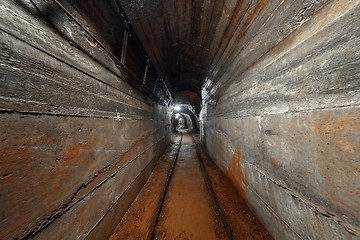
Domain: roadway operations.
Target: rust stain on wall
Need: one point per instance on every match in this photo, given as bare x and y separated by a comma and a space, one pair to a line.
14, 154
251, 15
328, 125
333, 131
276, 163
338, 146
236, 175
10, 157
347, 147
73, 151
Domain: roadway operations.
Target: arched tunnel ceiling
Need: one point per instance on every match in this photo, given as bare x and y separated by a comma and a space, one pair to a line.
205, 45
188, 97
185, 39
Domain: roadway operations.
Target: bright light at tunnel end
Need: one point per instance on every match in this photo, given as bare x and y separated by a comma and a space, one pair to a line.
177, 107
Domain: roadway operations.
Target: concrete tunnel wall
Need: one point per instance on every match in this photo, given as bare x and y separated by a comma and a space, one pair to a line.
284, 121
280, 110
77, 141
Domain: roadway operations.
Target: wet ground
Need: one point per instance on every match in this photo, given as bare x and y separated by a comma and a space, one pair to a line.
188, 210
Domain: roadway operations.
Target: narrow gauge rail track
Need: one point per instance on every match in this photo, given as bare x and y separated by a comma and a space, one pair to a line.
151, 232
212, 194
210, 190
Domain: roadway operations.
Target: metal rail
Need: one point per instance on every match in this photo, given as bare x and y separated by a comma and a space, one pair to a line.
217, 206
151, 232
212, 193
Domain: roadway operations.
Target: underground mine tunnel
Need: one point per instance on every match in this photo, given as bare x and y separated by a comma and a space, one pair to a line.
253, 103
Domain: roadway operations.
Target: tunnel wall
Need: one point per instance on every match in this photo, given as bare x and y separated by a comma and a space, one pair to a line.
77, 142
284, 120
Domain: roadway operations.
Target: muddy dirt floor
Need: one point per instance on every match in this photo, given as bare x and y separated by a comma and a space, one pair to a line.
188, 211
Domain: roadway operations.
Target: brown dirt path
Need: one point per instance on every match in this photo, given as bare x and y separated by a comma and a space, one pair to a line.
243, 223
137, 220
188, 211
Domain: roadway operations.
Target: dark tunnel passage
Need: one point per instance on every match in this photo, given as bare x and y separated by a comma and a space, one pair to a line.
183, 117
261, 97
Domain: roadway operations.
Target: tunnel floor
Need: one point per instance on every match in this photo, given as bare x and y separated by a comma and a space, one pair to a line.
193, 206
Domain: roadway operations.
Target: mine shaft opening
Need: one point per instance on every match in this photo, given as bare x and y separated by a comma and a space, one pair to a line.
183, 118
183, 122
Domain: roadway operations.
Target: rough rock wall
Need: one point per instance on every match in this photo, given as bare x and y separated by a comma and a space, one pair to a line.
76, 141
283, 120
